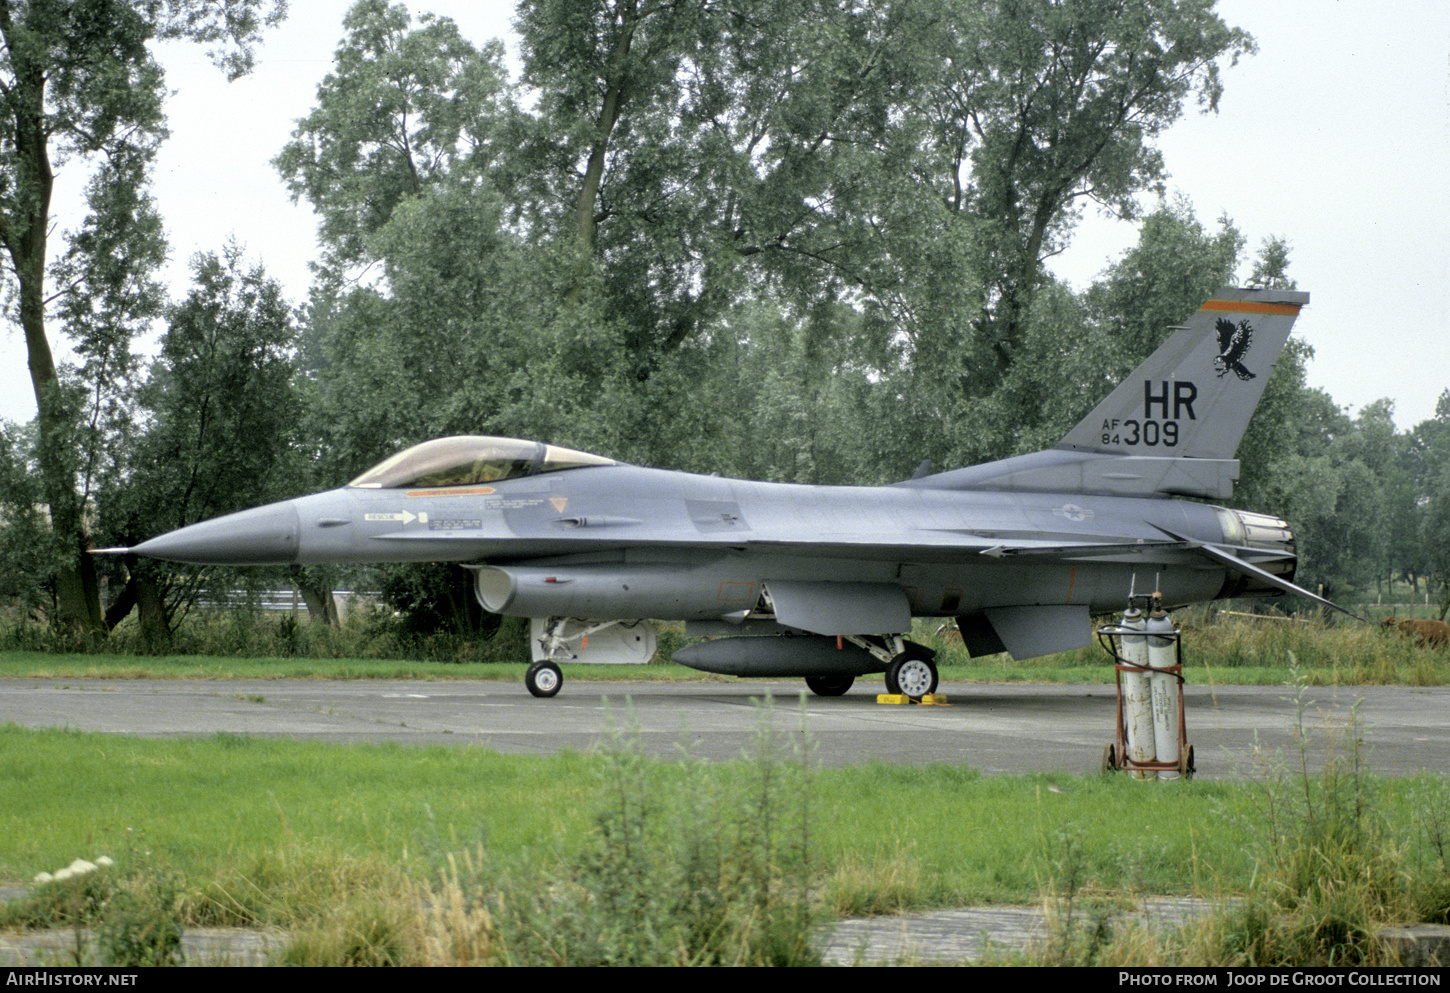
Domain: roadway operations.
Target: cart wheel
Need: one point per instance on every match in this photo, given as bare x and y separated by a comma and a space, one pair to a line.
1110, 759
1185, 763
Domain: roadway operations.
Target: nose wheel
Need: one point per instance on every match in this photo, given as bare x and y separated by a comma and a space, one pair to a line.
543, 678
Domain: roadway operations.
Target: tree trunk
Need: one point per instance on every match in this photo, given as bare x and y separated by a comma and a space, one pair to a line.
143, 593
155, 624
321, 605
23, 231
609, 111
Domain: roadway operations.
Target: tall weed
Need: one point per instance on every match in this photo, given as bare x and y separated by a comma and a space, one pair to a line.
1430, 802
1084, 919
691, 864
1330, 869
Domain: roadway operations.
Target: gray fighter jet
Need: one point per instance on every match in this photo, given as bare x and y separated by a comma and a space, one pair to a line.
822, 582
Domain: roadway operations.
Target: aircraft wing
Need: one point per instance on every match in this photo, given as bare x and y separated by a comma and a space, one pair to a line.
926, 545
942, 548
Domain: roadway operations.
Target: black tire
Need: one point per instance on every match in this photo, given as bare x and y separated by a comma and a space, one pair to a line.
911, 675
543, 679
829, 685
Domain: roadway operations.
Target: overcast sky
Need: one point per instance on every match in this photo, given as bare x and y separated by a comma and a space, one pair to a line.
1335, 136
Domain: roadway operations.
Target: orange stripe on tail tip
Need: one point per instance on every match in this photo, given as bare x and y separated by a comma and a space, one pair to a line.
1251, 307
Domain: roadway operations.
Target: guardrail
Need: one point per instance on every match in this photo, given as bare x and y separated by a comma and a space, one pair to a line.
277, 601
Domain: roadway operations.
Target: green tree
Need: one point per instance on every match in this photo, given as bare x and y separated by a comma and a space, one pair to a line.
77, 83
459, 325
403, 109
955, 163
1435, 531
1344, 542
1059, 102
1160, 282
1326, 474
1073, 352
801, 398
1374, 442
637, 124
24, 538
690, 156
222, 419
1429, 457
465, 334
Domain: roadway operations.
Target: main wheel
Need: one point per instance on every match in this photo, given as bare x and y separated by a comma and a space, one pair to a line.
913, 677
1110, 759
829, 685
543, 678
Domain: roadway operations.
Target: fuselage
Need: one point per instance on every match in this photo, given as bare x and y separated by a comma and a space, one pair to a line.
625, 541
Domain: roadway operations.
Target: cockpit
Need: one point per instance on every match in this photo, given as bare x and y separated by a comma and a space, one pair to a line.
471, 460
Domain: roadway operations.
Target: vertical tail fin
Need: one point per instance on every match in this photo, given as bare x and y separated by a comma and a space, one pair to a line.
1193, 397
1172, 427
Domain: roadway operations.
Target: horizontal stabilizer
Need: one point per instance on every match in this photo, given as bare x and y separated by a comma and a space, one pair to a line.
1225, 556
1079, 551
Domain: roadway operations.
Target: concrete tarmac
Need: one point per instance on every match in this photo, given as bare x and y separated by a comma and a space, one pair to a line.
994, 728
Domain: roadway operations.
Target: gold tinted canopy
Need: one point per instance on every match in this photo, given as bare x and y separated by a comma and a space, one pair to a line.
471, 460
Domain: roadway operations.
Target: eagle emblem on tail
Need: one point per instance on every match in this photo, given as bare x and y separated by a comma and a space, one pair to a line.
1233, 344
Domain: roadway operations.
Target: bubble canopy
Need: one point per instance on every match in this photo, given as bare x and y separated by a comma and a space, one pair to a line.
471, 460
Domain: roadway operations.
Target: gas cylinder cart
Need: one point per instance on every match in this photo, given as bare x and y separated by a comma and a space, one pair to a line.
1147, 649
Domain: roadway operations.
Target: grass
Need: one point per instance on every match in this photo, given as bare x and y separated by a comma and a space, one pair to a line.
1337, 854
198, 799
612, 859
374, 854
226, 808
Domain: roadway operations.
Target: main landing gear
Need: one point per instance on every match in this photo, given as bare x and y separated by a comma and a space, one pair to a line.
829, 685
910, 668
912, 674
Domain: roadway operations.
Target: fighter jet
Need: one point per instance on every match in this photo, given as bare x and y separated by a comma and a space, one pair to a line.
823, 582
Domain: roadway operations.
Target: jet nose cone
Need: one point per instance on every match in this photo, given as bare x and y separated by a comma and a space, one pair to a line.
261, 536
